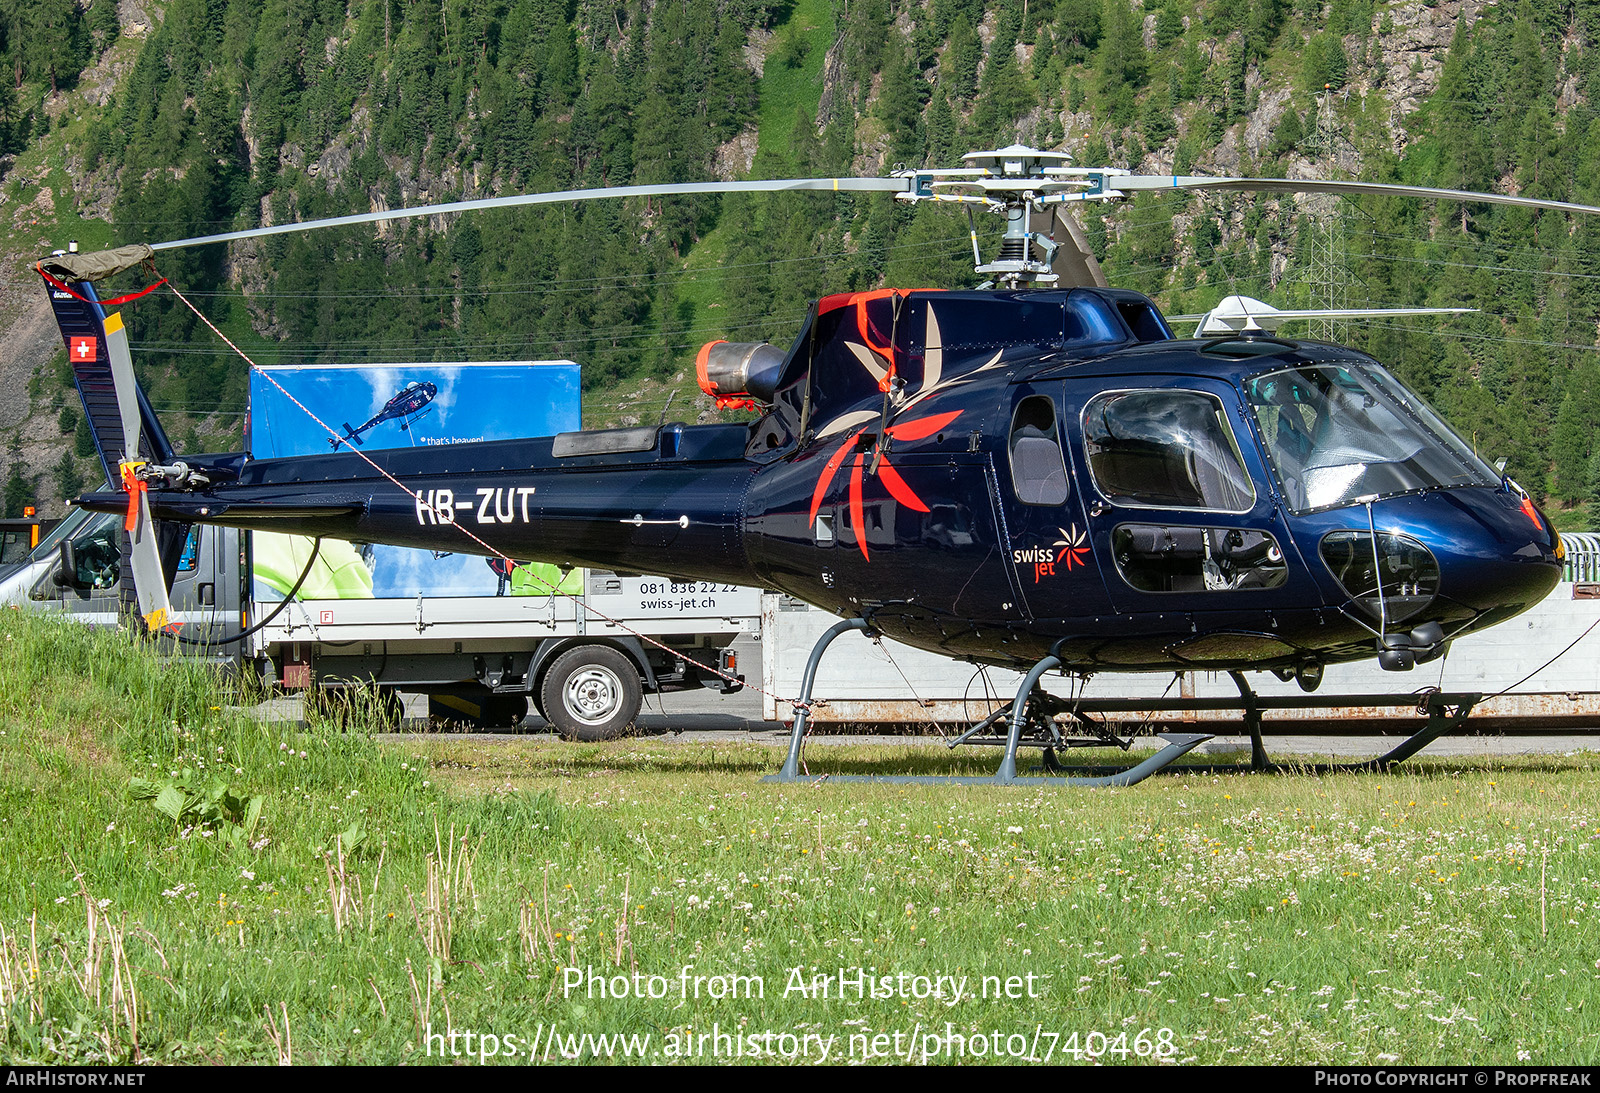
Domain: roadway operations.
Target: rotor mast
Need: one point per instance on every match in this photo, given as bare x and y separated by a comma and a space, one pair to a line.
1019, 183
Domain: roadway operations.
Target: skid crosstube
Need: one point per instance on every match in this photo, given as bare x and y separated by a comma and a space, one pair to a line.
1446, 711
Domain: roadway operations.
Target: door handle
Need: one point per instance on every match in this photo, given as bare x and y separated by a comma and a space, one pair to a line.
208, 595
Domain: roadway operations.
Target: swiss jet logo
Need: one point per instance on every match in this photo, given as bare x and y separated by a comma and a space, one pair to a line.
1071, 551
84, 349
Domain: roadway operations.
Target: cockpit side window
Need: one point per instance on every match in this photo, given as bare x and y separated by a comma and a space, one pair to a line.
1165, 449
1144, 321
1038, 470
100, 557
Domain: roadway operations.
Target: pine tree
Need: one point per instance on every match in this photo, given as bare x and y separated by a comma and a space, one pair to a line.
1594, 491
941, 131
19, 491
1324, 63
1078, 23
1157, 119
962, 60
82, 438
1569, 444
1169, 26
69, 479
899, 107
1288, 134
1122, 60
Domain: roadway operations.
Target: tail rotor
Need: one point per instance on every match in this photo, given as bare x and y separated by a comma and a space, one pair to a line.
149, 581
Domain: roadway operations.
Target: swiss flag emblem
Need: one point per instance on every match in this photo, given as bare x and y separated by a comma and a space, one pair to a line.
84, 349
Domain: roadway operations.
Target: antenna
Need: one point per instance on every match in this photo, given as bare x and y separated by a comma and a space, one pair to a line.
1329, 267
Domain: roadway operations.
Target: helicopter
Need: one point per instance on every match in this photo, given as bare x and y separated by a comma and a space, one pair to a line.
1038, 474
407, 405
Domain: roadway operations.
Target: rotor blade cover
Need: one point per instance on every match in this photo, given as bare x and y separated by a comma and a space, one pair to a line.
96, 265
734, 371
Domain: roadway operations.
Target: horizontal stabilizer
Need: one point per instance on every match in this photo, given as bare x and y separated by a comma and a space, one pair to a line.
172, 505
1241, 314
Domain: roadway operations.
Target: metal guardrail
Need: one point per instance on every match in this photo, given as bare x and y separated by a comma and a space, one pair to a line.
1583, 556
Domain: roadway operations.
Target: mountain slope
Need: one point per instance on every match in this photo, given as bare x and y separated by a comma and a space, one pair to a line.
240, 112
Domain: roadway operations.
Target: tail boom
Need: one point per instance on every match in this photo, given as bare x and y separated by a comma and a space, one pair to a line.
680, 520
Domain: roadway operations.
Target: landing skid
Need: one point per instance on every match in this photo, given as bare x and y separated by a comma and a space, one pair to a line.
1177, 743
1033, 710
1446, 712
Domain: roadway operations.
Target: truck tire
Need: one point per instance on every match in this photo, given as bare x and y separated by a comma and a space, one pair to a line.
591, 693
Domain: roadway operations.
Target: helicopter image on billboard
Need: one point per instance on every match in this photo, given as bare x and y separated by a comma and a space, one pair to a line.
408, 404
1039, 474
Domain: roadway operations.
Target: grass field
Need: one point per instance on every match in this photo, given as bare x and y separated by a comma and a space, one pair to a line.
1442, 914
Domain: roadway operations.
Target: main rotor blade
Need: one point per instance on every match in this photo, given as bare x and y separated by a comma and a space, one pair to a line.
1128, 183
881, 185
1074, 262
1243, 314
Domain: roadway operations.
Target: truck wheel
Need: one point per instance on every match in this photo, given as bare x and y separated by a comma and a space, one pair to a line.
591, 693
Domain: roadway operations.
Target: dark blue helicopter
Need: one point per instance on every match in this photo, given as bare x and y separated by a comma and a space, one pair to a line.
408, 404
1031, 476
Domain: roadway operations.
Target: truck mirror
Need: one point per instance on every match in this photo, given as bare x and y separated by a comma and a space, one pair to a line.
66, 574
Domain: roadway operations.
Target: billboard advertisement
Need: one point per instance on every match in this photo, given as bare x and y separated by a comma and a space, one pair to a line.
316, 409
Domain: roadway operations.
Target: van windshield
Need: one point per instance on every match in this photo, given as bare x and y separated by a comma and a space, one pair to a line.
69, 524
1339, 433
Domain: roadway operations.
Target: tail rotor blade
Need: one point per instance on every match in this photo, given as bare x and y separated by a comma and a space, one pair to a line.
122, 379
149, 580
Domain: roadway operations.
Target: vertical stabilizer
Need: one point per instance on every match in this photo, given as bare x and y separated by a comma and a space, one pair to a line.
83, 326
126, 433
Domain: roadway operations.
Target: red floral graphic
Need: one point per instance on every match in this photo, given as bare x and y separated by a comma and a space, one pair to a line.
892, 481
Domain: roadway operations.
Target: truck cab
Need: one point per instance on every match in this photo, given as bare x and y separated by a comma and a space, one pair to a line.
77, 570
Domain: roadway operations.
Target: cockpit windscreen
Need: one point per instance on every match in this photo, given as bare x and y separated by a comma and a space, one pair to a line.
1336, 433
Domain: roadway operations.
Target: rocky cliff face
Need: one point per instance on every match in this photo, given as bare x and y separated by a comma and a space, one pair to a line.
1392, 70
